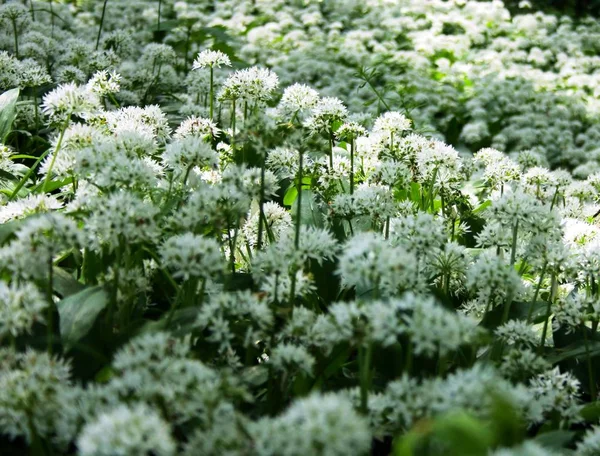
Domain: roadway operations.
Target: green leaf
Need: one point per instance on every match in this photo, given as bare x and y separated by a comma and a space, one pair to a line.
591, 412
415, 192
78, 314
65, 284
555, 440
575, 350
8, 112
290, 196
482, 206
464, 434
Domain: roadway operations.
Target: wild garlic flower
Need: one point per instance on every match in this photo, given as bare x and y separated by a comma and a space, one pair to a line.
517, 332
370, 263
119, 218
522, 363
229, 319
391, 173
104, 83
226, 435
31, 204
325, 113
375, 201
69, 100
440, 162
590, 444
289, 358
149, 119
37, 242
192, 151
283, 161
320, 424
571, 312
392, 123
556, 392
192, 256
278, 224
127, 430
76, 138
499, 169
278, 286
21, 306
434, 330
296, 100
34, 388
211, 59
203, 128
422, 234
252, 85
349, 131
493, 279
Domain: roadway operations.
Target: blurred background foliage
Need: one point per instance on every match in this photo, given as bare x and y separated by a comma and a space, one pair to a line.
571, 7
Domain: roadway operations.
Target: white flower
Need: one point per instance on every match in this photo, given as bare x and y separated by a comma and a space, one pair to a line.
104, 83
289, 358
325, 112
392, 123
69, 100
20, 307
211, 59
126, 430
197, 126
251, 84
296, 99
31, 204
590, 445
371, 263
192, 256
320, 425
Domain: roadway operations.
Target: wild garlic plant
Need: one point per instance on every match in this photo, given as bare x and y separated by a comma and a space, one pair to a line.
292, 248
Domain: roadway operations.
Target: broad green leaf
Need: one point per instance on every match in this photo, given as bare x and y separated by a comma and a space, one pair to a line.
555, 440
591, 412
464, 434
8, 112
65, 284
575, 350
290, 196
78, 313
482, 206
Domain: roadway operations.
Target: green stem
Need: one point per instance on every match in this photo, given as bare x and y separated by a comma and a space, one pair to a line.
233, 125
513, 251
352, 166
56, 150
212, 91
101, 24
50, 315
591, 376
548, 312
158, 18
261, 202
16, 36
364, 364
537, 291
32, 10
330, 150
299, 204
554, 198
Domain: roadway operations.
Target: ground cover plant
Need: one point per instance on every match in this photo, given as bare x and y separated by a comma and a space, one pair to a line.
298, 228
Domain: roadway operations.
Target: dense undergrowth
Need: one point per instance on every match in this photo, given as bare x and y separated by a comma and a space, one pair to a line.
296, 228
